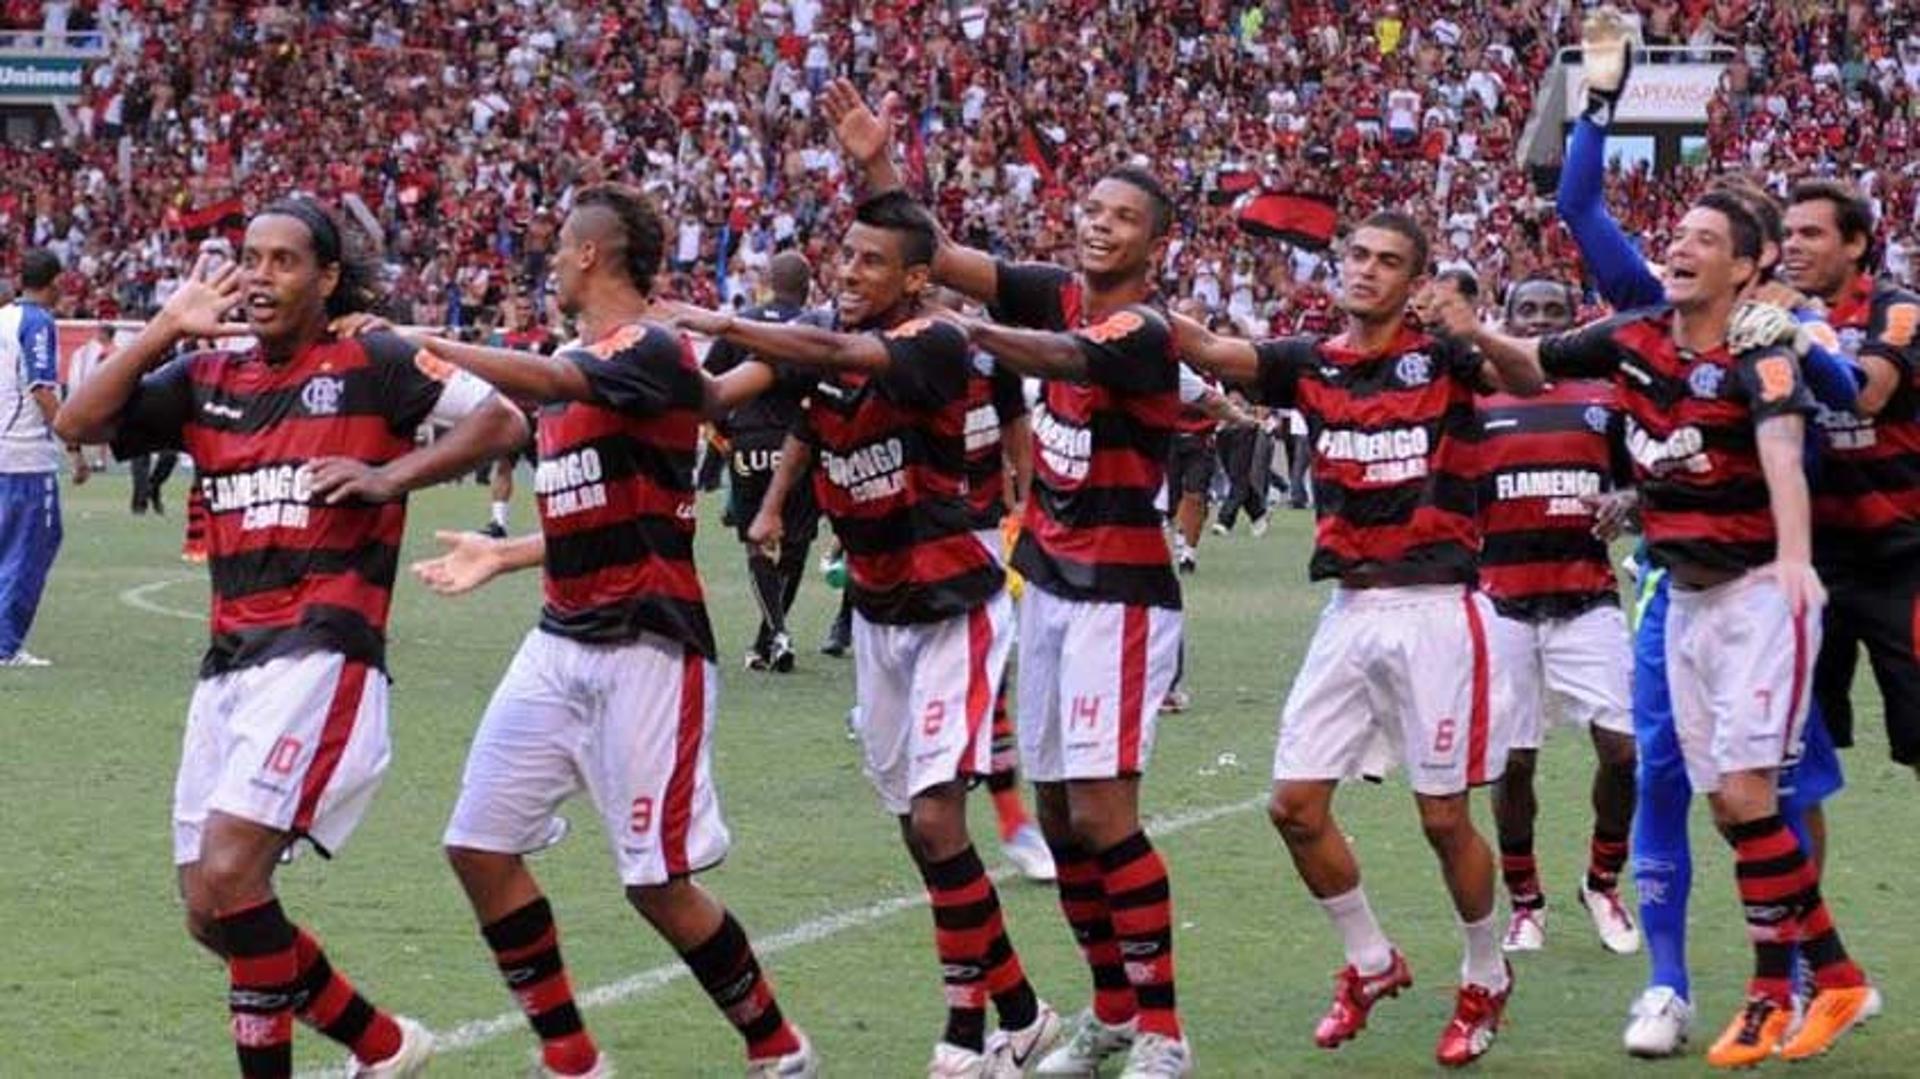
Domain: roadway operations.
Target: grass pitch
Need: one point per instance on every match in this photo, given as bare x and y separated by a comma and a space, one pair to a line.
102, 981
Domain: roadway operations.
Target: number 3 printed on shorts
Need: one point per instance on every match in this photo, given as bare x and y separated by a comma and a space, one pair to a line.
642, 816
1443, 732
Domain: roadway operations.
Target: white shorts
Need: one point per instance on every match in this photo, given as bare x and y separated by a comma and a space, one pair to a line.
298, 744
925, 693
1582, 664
1398, 672
1740, 664
1092, 676
631, 724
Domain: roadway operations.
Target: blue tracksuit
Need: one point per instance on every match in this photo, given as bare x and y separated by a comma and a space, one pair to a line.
29, 467
1662, 862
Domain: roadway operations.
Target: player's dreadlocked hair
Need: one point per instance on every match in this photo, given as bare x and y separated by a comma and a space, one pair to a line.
640, 224
361, 276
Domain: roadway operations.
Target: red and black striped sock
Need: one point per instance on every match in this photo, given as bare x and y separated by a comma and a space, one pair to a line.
526, 947
1772, 875
1606, 856
1521, 874
1083, 899
960, 893
1820, 943
261, 970
976, 955
726, 968
326, 1001
1141, 903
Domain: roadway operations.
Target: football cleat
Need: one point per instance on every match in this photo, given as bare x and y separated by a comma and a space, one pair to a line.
1028, 852
1659, 1024
1156, 1056
951, 1061
1012, 1052
1354, 995
1617, 932
1831, 1013
1092, 1043
1754, 1035
1476, 1019
1526, 930
416, 1048
799, 1064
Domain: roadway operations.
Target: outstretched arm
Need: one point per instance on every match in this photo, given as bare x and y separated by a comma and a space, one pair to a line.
786, 342
1039, 353
1230, 359
524, 376
471, 560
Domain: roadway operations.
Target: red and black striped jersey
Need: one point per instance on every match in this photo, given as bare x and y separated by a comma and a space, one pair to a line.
995, 399
291, 573
1691, 422
1539, 456
1866, 503
615, 489
1394, 437
890, 474
1100, 447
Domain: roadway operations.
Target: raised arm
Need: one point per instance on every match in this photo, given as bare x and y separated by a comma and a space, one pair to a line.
1618, 268
92, 414
867, 142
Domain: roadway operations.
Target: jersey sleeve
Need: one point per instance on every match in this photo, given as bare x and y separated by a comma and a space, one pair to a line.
39, 347
1773, 384
1008, 394
1279, 363
1131, 352
639, 371
1833, 378
1591, 351
1893, 334
1029, 294
411, 381
926, 363
155, 417
461, 396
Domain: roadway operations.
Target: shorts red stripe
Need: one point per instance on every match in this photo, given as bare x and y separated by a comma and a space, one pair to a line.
1133, 685
677, 817
334, 734
1796, 699
979, 699
1478, 722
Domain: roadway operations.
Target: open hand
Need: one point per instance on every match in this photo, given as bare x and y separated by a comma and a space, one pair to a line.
470, 560
862, 134
202, 303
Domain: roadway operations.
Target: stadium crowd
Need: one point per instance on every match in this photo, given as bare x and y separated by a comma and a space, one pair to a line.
461, 126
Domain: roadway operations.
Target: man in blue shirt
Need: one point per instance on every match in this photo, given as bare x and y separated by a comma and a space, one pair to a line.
29, 456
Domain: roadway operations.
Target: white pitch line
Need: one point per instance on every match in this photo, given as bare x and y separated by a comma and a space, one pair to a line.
136, 597
647, 982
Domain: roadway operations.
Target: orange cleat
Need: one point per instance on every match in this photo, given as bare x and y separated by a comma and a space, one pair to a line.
1753, 1036
1831, 1013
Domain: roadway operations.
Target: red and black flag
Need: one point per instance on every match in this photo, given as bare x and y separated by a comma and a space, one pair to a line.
1299, 218
227, 218
1229, 186
1040, 152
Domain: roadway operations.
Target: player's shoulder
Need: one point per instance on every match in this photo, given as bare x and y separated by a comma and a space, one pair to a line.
1887, 294
1132, 324
638, 341
930, 334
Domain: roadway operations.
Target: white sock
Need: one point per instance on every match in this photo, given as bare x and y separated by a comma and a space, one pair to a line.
1366, 945
1483, 964
500, 514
